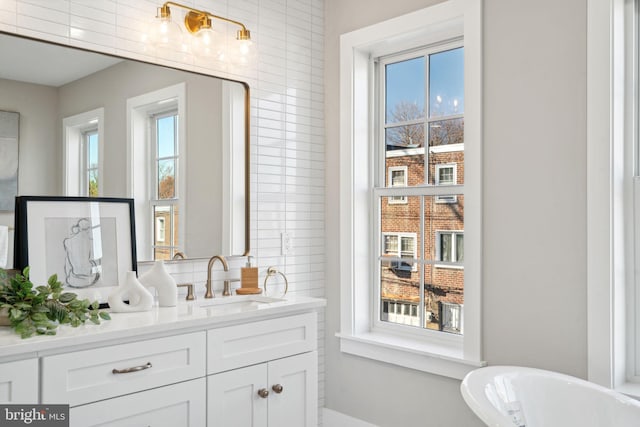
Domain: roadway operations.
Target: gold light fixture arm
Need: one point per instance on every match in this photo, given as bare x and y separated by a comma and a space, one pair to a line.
196, 19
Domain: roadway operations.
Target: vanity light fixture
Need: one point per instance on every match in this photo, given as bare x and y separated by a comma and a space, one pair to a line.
198, 23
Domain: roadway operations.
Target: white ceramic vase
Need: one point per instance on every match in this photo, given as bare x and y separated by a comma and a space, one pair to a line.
140, 299
164, 284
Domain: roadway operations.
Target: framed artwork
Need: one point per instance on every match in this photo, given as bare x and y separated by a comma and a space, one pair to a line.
9, 131
89, 242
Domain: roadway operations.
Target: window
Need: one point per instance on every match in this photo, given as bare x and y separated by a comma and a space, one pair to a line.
83, 135
90, 162
613, 171
165, 203
450, 246
400, 247
398, 178
425, 123
446, 174
422, 89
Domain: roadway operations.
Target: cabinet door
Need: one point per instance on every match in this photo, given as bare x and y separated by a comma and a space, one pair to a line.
296, 379
233, 399
19, 381
181, 404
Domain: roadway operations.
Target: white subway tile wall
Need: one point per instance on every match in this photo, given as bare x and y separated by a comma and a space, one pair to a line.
287, 114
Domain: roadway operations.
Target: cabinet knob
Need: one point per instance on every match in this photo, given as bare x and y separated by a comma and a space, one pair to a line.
263, 393
277, 388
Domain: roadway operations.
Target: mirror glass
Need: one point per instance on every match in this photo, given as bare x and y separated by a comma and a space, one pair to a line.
175, 141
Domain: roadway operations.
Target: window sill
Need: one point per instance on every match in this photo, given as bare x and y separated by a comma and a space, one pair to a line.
409, 353
630, 389
450, 266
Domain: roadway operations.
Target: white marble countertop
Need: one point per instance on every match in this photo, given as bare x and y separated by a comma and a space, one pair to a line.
187, 316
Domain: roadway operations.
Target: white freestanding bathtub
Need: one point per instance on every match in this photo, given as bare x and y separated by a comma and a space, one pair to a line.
511, 396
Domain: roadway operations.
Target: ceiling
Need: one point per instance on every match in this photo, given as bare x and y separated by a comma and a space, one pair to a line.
23, 59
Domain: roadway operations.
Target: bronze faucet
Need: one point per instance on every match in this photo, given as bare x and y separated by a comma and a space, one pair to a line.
225, 266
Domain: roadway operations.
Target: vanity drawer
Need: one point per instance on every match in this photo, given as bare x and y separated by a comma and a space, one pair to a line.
90, 375
247, 344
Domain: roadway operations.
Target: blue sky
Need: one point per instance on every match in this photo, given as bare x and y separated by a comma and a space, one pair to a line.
406, 82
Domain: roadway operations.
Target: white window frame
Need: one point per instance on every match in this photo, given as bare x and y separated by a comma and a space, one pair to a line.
139, 110
612, 109
444, 354
398, 200
73, 151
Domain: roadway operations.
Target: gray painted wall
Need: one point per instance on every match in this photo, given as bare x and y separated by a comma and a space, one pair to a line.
534, 209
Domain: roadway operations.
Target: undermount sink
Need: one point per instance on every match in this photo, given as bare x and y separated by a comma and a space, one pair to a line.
238, 304
511, 396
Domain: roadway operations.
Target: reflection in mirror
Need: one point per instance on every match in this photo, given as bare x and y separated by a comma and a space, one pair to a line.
175, 141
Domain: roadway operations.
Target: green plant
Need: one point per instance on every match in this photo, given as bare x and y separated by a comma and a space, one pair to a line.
41, 309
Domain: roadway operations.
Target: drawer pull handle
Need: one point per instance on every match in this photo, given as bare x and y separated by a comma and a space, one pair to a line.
133, 369
277, 388
263, 393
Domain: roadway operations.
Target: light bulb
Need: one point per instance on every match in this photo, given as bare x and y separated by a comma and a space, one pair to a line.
167, 36
242, 52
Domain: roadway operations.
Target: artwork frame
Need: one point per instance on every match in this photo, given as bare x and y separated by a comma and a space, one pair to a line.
89, 242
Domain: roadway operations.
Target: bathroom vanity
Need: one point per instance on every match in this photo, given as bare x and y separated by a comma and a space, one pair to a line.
234, 361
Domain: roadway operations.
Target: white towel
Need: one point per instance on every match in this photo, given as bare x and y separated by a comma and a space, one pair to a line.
4, 245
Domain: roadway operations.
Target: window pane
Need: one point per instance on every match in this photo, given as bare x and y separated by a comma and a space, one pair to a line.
412, 161
162, 253
166, 136
391, 245
93, 183
442, 219
398, 294
408, 244
400, 227
92, 150
445, 247
443, 297
166, 179
404, 90
403, 137
446, 83
397, 178
459, 247
446, 132
445, 175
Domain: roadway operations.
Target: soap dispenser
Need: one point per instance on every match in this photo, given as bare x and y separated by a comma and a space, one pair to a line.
249, 275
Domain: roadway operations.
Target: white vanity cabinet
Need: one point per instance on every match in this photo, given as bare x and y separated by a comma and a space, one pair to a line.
263, 374
187, 366
19, 381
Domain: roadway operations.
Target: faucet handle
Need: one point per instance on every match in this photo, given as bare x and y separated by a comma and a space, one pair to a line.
189, 286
